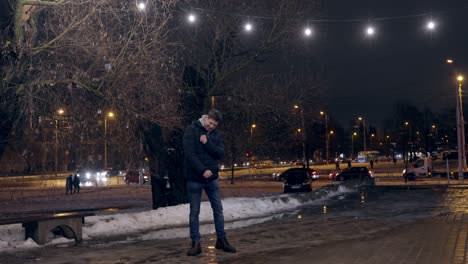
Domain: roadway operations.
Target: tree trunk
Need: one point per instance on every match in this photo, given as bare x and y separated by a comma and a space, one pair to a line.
166, 167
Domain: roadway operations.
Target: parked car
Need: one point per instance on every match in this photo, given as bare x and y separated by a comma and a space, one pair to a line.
134, 177
351, 174
296, 180
312, 174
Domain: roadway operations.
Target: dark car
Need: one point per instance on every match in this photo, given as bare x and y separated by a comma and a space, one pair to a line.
310, 172
353, 173
134, 177
296, 180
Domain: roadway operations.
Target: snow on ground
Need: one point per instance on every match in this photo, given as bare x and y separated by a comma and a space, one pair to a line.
172, 222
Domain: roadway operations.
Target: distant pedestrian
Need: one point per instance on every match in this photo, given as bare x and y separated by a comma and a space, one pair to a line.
69, 185
394, 161
372, 164
349, 164
337, 164
76, 184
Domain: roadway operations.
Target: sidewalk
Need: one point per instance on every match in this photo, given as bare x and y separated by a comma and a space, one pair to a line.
441, 241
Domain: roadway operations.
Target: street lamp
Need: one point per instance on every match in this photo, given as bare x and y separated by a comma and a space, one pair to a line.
435, 129
251, 132
410, 138
352, 144
460, 131
110, 115
304, 137
60, 112
327, 142
364, 128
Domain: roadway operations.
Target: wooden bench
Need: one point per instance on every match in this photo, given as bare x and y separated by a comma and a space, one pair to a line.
38, 227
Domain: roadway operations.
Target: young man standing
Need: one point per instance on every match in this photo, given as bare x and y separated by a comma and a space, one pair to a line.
203, 148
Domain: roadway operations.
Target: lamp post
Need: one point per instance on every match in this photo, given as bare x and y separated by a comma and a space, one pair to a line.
365, 132
108, 115
409, 139
303, 132
327, 142
352, 144
252, 127
460, 131
435, 129
60, 113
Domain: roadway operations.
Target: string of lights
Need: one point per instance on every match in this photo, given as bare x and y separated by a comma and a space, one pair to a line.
369, 29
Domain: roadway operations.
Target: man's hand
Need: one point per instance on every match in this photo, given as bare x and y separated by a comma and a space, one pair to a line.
203, 139
207, 174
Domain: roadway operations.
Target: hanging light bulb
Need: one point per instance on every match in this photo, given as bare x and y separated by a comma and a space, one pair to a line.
431, 25
141, 6
191, 18
248, 27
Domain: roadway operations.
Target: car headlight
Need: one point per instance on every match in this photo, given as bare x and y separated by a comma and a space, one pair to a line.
145, 177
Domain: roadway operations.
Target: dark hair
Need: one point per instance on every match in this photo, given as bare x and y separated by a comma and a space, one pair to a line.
215, 114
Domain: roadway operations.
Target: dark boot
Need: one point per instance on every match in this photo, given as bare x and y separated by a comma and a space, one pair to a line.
195, 249
223, 244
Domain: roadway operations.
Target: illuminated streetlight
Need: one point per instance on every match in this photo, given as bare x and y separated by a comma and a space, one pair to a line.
364, 129
461, 131
352, 144
252, 127
60, 113
308, 32
410, 138
110, 115
327, 137
302, 130
449, 61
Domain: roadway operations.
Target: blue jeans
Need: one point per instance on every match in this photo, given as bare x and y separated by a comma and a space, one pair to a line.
194, 190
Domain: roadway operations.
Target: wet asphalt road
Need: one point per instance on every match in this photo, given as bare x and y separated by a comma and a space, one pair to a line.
316, 233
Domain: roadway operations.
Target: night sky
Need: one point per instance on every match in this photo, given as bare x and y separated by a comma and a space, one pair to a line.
402, 62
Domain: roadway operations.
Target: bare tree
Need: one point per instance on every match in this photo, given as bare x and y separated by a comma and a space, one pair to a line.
221, 58
89, 57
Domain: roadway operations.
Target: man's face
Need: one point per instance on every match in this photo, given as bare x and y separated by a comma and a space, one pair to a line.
210, 124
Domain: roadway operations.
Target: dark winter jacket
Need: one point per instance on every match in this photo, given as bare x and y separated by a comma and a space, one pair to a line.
200, 157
